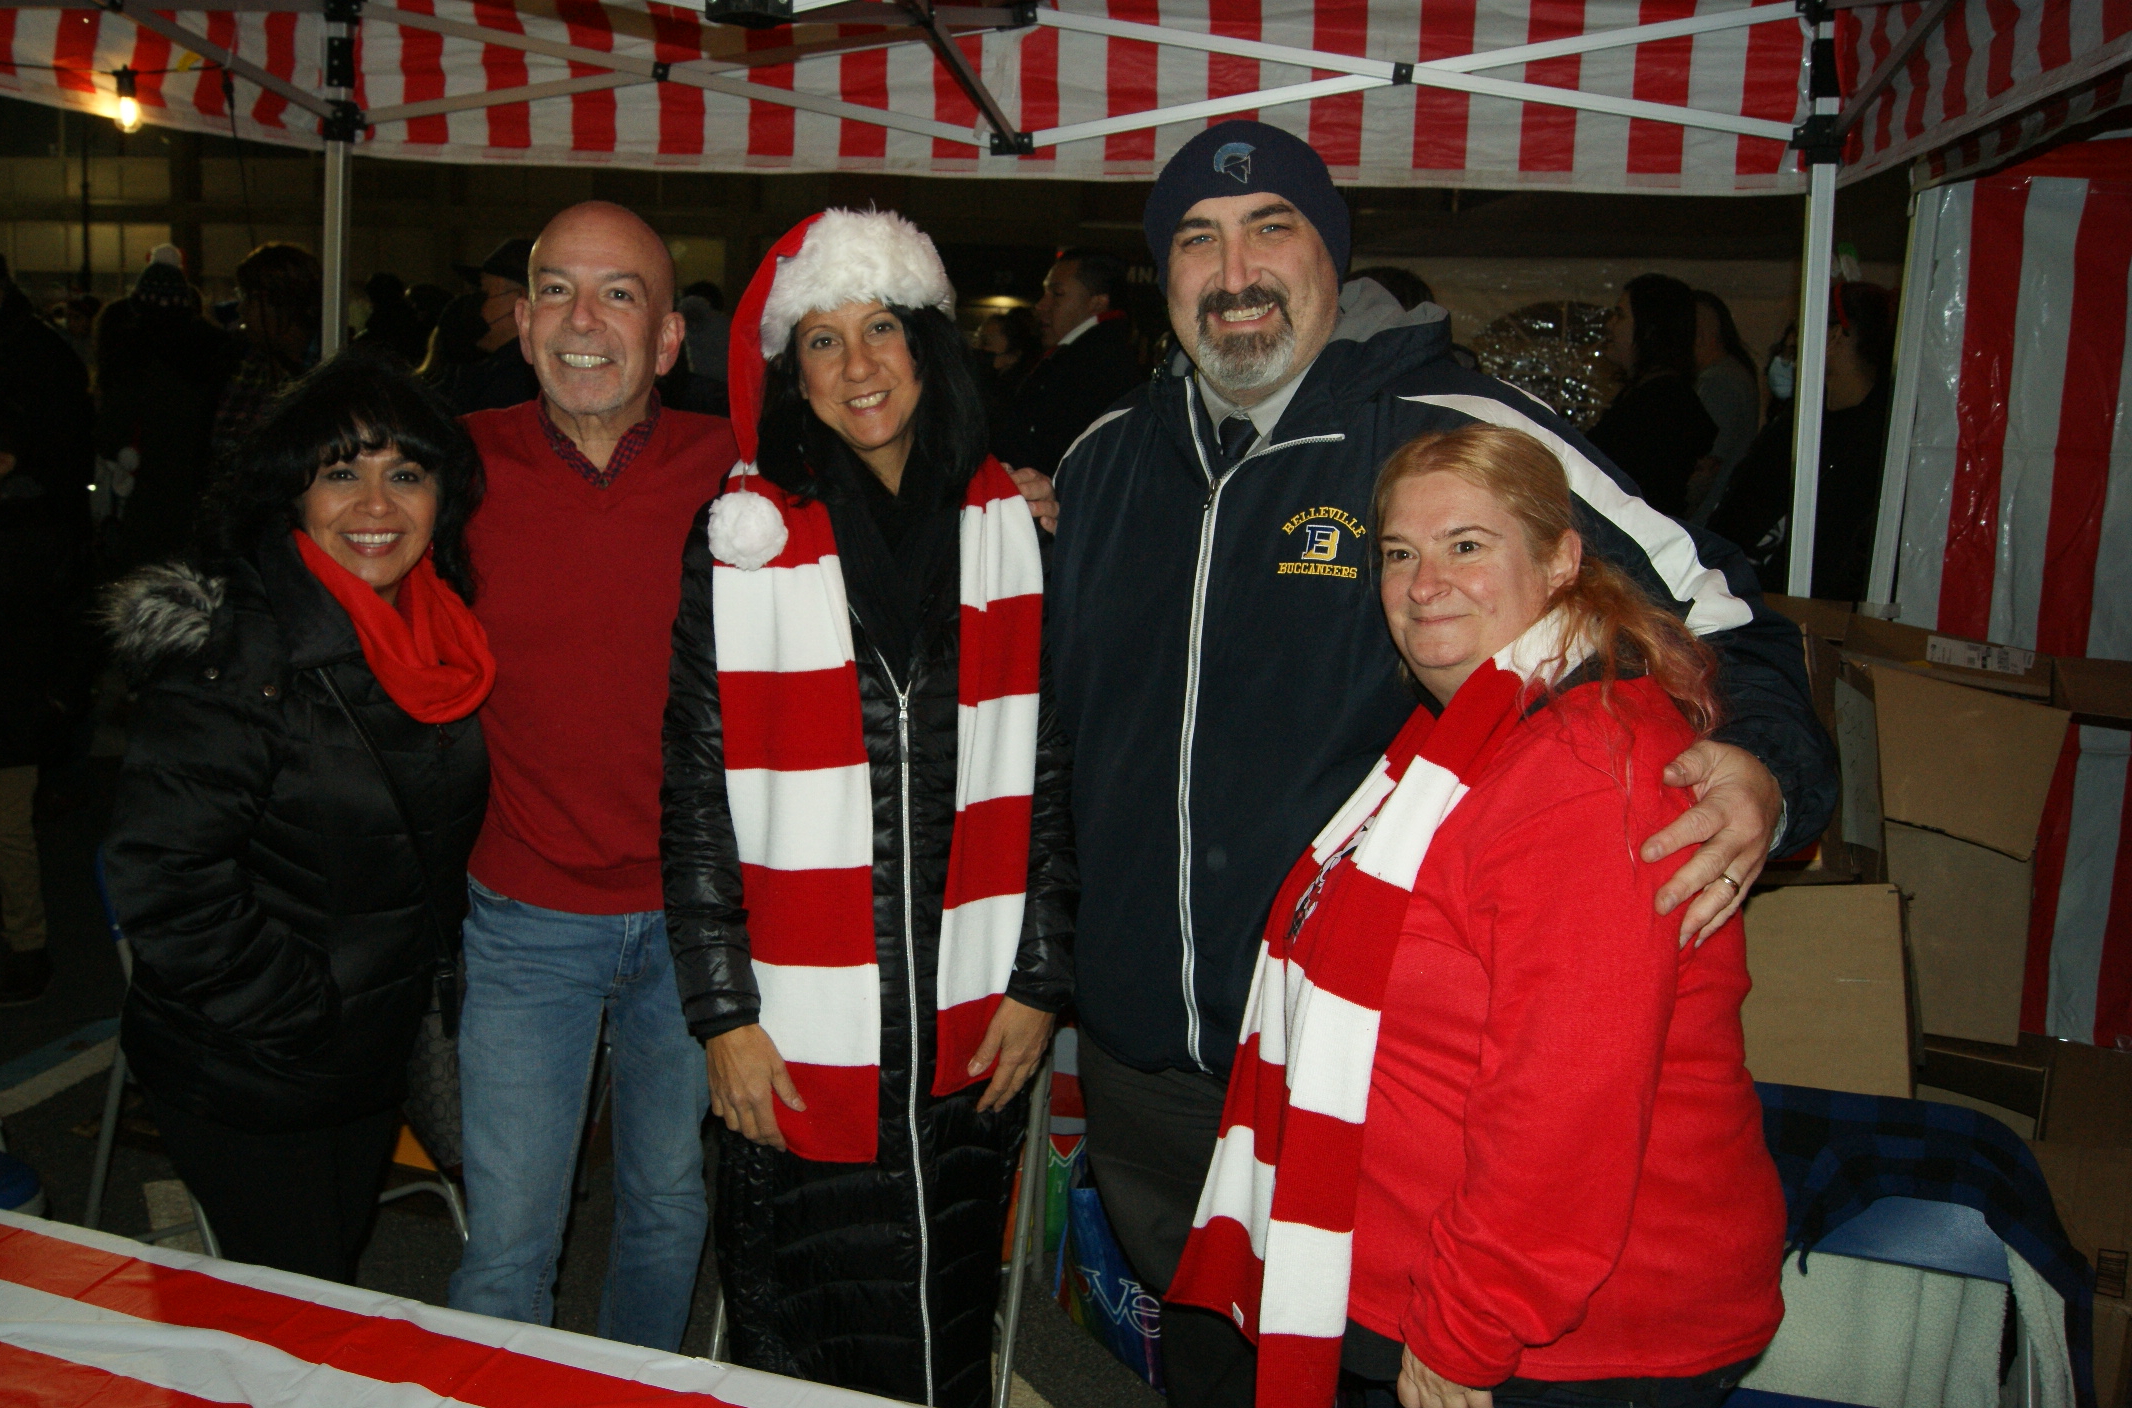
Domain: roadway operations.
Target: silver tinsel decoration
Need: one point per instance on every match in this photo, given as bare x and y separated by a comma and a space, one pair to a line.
1551, 351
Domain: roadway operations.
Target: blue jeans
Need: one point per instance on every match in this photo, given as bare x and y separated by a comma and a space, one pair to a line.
537, 982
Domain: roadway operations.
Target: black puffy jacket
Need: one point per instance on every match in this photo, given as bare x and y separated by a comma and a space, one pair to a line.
822, 1263
283, 949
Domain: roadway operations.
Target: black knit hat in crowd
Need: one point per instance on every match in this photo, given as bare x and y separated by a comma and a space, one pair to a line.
162, 285
1245, 158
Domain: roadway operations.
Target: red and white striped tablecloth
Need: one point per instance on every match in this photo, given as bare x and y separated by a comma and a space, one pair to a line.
91, 1319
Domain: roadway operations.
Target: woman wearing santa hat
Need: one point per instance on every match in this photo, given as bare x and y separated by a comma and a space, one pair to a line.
870, 879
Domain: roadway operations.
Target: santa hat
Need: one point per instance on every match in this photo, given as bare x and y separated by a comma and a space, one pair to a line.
826, 261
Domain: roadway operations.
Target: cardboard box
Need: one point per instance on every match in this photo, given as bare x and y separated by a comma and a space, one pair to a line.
1967, 913
2092, 1191
1836, 855
1857, 738
1829, 620
2088, 1100
2010, 1077
2113, 1353
2003, 669
1830, 1006
1963, 761
2096, 691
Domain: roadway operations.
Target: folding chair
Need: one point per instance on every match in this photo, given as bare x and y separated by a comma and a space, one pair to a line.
1028, 1212
114, 1096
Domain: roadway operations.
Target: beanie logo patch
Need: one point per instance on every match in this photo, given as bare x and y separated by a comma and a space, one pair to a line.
1234, 159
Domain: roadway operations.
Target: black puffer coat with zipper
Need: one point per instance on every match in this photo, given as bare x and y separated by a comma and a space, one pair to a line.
822, 1264
284, 951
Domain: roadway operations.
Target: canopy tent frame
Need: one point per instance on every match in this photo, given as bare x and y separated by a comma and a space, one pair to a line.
1819, 138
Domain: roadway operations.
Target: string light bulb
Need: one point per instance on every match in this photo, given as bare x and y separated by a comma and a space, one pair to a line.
129, 103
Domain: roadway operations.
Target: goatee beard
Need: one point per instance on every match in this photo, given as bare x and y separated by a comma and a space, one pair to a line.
1244, 361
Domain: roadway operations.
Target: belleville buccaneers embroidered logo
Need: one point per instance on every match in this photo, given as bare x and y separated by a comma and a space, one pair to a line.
1319, 534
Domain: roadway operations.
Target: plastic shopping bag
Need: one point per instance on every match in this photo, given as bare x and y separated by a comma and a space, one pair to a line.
1097, 1286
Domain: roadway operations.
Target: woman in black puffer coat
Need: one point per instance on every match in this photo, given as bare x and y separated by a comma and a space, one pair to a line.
879, 1274
303, 780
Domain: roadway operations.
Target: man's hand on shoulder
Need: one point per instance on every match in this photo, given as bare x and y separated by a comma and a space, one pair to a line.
1738, 805
1043, 499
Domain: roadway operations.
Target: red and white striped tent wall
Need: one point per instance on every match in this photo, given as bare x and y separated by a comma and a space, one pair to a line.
2010, 492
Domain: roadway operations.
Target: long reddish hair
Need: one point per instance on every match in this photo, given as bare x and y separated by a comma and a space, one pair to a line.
1629, 634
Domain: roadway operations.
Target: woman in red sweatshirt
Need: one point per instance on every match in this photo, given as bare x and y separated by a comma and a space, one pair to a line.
1490, 1133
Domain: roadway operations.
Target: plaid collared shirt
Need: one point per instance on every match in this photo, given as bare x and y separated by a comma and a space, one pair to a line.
625, 450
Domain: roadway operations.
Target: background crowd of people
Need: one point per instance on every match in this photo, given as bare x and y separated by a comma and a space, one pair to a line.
472, 681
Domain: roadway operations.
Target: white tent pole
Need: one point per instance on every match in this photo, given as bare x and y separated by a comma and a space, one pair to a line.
340, 129
333, 250
1902, 404
1821, 151
1381, 68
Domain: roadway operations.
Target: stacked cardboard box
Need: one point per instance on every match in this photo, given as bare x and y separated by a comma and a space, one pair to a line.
2084, 1145
1948, 748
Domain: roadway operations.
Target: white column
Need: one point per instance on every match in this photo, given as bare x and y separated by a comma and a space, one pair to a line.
342, 125
333, 248
1813, 358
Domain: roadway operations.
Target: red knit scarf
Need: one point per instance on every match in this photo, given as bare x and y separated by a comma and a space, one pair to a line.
1272, 1243
426, 648
798, 784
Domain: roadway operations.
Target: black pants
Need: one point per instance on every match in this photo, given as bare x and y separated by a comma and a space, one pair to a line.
1150, 1139
299, 1202
1703, 1391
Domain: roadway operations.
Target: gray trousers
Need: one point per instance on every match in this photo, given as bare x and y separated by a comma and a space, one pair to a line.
1150, 1138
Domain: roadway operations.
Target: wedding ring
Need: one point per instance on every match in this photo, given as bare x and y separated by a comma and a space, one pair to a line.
1732, 882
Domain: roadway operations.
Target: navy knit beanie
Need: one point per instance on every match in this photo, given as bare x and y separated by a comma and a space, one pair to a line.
1238, 159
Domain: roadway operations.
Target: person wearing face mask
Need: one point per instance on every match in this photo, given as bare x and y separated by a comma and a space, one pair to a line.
869, 862
303, 779
591, 489
1783, 373
1225, 679
1756, 511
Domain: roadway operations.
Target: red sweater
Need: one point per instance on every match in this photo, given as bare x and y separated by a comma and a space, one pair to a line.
578, 587
1563, 1169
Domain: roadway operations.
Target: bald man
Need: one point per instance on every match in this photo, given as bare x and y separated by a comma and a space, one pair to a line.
577, 549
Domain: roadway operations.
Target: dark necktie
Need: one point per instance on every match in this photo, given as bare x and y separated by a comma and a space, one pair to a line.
1236, 434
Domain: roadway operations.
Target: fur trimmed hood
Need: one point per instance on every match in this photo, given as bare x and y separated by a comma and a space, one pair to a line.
159, 613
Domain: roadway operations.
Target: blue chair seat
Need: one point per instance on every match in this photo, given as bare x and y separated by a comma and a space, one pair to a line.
1920, 1232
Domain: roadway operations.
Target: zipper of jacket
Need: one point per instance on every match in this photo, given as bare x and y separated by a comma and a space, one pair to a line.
910, 980
1201, 571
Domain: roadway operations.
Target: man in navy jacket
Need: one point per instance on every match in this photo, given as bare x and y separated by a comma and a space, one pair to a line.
1225, 673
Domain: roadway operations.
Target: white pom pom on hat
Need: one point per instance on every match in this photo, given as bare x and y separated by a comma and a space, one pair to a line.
746, 529
854, 256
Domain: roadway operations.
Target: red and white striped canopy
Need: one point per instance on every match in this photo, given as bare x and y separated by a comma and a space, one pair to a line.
1990, 80
1048, 78
1702, 104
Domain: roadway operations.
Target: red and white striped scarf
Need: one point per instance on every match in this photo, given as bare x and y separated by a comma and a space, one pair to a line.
802, 805
1272, 1242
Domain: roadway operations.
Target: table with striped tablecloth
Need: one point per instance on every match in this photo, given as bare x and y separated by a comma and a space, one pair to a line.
92, 1319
